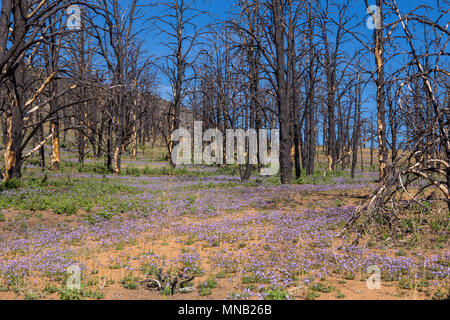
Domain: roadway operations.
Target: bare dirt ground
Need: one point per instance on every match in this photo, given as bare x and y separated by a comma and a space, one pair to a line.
282, 249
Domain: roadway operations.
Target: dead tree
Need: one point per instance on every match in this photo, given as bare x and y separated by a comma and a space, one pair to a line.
379, 54
180, 23
423, 166
19, 44
120, 35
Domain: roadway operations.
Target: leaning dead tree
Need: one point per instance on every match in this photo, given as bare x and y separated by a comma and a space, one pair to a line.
422, 171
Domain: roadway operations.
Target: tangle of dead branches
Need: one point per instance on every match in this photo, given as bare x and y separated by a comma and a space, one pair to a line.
421, 179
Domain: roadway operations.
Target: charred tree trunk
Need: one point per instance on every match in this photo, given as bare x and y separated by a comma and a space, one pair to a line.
380, 82
120, 122
109, 145
283, 101
14, 122
356, 124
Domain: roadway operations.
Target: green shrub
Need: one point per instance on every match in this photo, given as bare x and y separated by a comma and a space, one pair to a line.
65, 206
211, 283
276, 294
130, 282
320, 287
10, 184
203, 291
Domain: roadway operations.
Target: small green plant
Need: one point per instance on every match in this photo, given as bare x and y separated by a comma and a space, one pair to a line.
349, 276
167, 291
105, 215
210, 283
191, 240
191, 264
191, 199
407, 284
50, 288
253, 279
130, 282
31, 295
203, 291
339, 203
92, 294
70, 294
321, 287
132, 172
149, 269
312, 295
204, 288
276, 294
120, 245
252, 287
80, 294
16, 283
10, 184
440, 295
65, 206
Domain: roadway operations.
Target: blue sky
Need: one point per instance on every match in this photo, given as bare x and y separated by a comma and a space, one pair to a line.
153, 41
221, 9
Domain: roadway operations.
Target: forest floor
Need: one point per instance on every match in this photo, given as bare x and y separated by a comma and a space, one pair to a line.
254, 240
